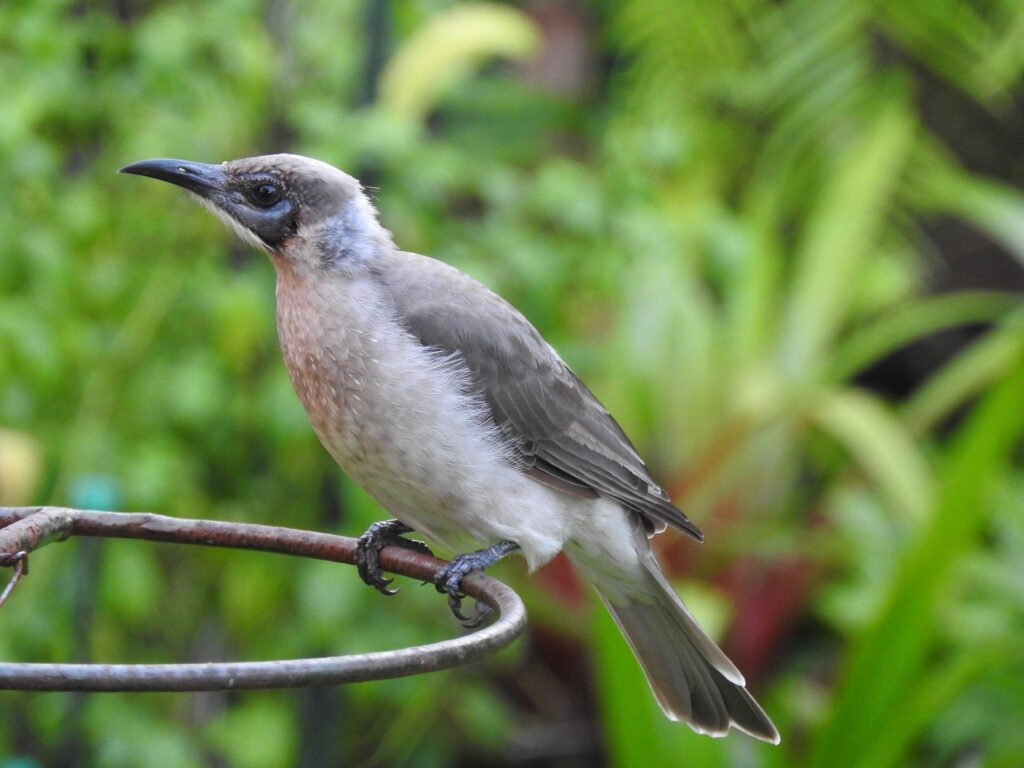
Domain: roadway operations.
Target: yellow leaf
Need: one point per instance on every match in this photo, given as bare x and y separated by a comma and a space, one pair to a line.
447, 48
20, 466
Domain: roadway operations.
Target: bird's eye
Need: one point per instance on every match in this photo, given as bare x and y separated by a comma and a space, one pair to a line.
265, 195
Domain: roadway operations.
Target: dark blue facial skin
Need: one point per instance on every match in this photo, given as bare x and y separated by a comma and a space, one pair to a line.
262, 204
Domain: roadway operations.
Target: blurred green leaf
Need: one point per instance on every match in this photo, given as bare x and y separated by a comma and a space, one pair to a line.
131, 582
889, 654
840, 233
924, 701
907, 322
994, 208
255, 734
964, 44
142, 736
967, 375
881, 445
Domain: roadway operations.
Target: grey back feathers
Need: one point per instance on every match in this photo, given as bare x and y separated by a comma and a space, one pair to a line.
561, 433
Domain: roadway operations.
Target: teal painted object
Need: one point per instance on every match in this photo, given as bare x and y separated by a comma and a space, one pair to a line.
95, 491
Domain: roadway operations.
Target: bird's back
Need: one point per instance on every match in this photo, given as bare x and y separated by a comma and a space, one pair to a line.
560, 433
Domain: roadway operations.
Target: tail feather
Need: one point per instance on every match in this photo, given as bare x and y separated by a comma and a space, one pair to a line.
693, 681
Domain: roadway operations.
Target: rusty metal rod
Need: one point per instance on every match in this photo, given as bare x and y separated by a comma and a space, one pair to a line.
23, 529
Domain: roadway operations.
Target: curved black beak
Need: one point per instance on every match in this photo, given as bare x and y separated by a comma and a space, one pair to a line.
200, 178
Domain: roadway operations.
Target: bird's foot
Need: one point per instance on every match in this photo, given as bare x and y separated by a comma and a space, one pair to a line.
449, 578
387, 533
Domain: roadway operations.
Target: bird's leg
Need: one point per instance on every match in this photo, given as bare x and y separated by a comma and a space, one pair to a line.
449, 578
386, 533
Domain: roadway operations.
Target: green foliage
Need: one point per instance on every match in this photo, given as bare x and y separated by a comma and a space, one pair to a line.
720, 238
888, 659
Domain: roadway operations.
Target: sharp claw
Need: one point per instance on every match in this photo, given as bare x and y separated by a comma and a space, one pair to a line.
449, 579
378, 536
378, 582
455, 604
482, 610
447, 582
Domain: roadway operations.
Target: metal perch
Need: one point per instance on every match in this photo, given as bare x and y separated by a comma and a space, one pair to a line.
24, 529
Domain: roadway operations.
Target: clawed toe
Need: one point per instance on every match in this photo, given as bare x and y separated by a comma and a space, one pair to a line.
387, 533
449, 579
480, 610
368, 565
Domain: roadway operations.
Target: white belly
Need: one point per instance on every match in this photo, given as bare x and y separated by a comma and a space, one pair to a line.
403, 423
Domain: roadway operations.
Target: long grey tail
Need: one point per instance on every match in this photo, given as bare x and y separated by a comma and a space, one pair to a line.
693, 681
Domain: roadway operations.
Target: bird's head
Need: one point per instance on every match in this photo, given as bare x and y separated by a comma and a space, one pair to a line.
304, 212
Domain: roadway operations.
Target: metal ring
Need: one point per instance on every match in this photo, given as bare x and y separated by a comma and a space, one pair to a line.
24, 528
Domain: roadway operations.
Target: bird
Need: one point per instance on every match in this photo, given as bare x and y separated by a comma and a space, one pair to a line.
450, 409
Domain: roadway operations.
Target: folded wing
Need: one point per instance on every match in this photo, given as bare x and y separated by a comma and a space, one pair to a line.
562, 434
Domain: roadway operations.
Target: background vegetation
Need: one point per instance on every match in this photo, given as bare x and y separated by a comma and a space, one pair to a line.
782, 241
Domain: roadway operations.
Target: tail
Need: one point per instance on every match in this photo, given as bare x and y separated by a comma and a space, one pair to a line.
693, 681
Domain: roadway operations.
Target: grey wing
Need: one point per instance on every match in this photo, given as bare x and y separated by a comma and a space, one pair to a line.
564, 437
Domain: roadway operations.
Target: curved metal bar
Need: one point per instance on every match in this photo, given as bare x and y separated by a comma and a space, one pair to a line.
23, 529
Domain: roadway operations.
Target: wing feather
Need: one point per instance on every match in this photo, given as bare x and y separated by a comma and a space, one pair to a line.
562, 434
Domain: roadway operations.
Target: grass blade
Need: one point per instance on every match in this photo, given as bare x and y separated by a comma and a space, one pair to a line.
965, 376
914, 321
880, 445
839, 234
887, 659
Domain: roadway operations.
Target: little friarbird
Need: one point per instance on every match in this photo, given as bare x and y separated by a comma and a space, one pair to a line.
450, 409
